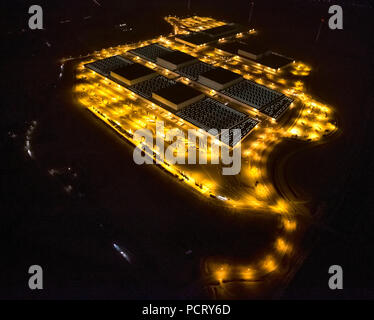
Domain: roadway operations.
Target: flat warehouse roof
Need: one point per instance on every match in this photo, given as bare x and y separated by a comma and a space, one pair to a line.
221, 75
194, 70
252, 94
230, 47
151, 52
274, 61
224, 30
253, 45
211, 114
134, 71
104, 66
177, 57
196, 38
178, 93
146, 88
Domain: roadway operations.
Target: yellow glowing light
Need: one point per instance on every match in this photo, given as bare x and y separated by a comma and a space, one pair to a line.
221, 273
282, 246
269, 264
289, 225
295, 131
254, 172
281, 206
261, 191
247, 274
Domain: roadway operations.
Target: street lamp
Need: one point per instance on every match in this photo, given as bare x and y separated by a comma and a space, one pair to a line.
319, 29
250, 12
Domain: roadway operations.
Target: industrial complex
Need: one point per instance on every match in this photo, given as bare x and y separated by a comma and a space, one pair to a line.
210, 74
207, 75
145, 81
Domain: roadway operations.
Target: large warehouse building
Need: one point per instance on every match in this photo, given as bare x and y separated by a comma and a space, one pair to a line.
253, 50
219, 78
151, 52
177, 96
175, 60
204, 37
133, 74
104, 66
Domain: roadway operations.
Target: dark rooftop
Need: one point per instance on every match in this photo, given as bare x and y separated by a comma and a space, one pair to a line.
177, 57
178, 93
211, 114
197, 38
224, 30
230, 47
233, 46
221, 75
254, 45
104, 66
134, 71
151, 51
274, 61
193, 71
145, 88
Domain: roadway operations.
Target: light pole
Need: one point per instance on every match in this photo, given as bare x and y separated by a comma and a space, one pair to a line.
189, 5
319, 29
250, 12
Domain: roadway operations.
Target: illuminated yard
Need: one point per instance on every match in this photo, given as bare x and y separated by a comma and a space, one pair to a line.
252, 190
